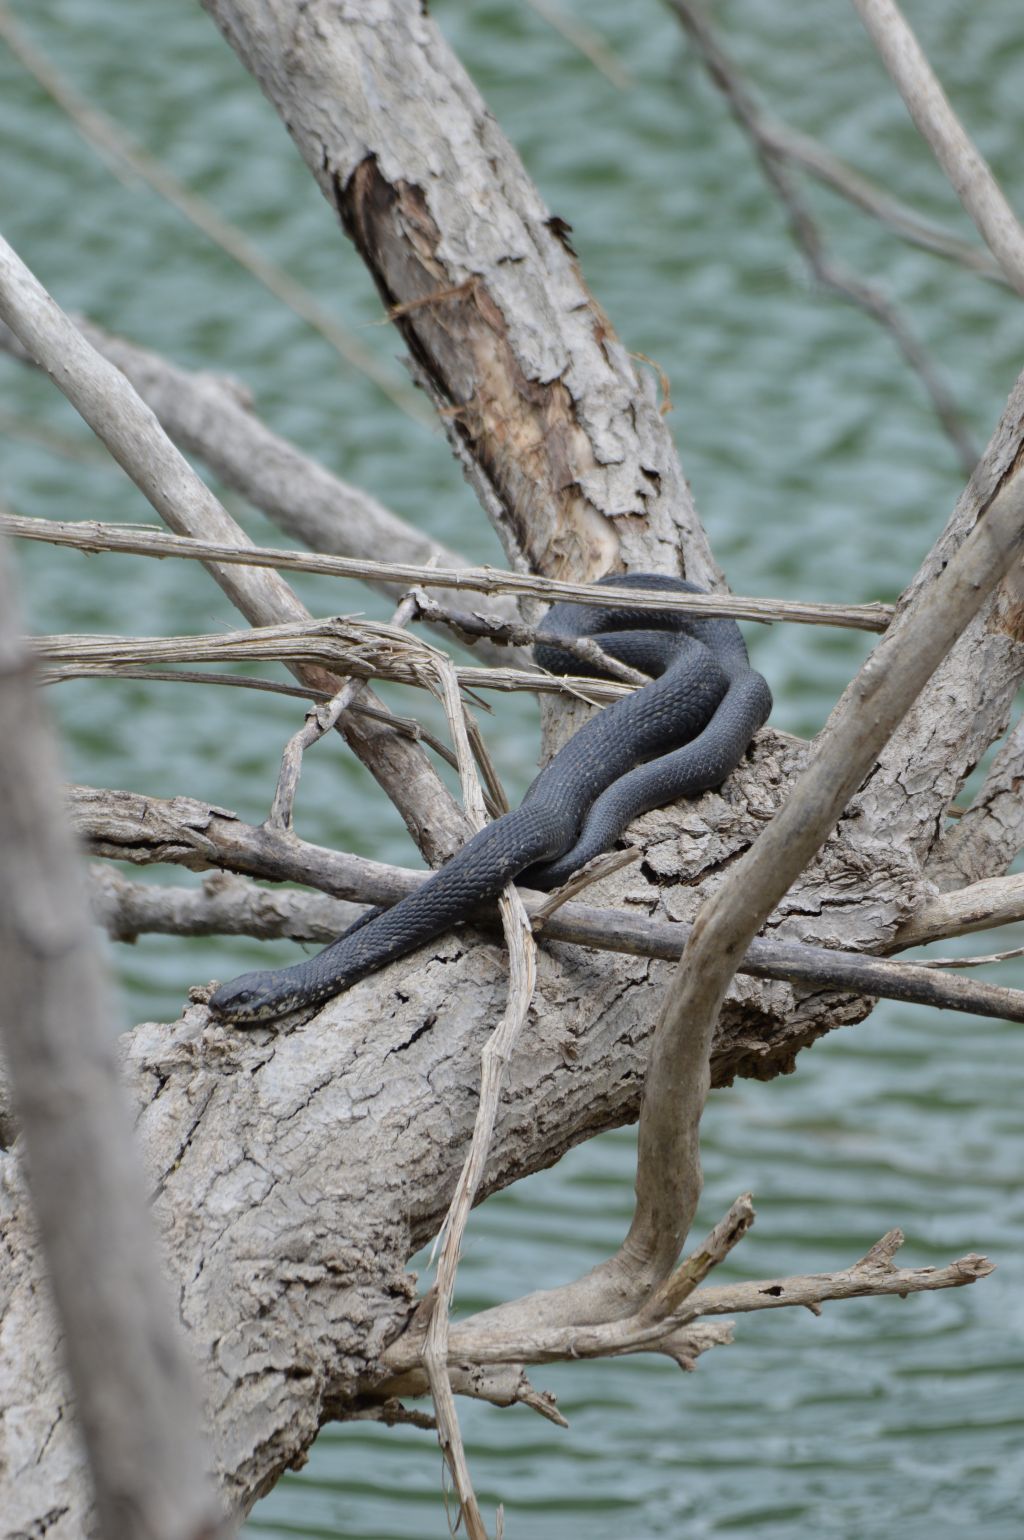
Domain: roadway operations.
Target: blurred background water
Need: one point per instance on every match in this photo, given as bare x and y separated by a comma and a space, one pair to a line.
819, 472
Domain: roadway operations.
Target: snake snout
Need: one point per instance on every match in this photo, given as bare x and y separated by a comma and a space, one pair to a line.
239, 1000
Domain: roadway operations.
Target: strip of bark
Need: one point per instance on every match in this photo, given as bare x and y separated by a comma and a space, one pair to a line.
990, 833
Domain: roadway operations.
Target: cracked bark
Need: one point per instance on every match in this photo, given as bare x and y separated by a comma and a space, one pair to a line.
285, 1232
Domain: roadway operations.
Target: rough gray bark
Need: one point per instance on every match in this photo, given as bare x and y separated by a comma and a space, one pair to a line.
545, 395
286, 1232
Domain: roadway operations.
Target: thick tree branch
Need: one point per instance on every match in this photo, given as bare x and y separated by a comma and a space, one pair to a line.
134, 1391
541, 391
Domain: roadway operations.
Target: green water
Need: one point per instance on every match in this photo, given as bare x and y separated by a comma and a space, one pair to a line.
819, 472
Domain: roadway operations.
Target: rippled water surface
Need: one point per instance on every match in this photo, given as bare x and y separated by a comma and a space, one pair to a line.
819, 472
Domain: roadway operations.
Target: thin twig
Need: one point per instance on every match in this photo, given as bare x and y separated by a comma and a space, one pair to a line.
115, 146
971, 962
319, 721
813, 157
88, 535
586, 41
928, 105
469, 628
594, 871
807, 235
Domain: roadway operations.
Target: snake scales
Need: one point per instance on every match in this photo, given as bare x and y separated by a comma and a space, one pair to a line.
676, 737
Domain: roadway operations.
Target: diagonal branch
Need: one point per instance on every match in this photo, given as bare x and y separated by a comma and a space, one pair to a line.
103, 396
882, 692
117, 149
211, 416
136, 1402
928, 105
804, 229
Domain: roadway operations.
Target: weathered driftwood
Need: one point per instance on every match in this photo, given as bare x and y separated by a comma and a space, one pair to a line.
295, 1171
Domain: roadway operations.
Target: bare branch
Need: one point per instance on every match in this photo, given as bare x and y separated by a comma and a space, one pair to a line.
808, 237
320, 719
225, 904
135, 1398
928, 105
813, 157
115, 145
211, 416
103, 396
983, 905
126, 826
876, 700
873, 1275
87, 535
669, 1323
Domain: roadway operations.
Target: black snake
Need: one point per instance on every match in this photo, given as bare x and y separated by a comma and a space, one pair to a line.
677, 736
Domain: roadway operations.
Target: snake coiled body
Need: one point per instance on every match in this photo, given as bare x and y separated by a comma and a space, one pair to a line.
679, 735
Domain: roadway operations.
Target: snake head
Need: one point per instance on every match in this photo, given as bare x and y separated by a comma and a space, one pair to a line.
241, 1000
